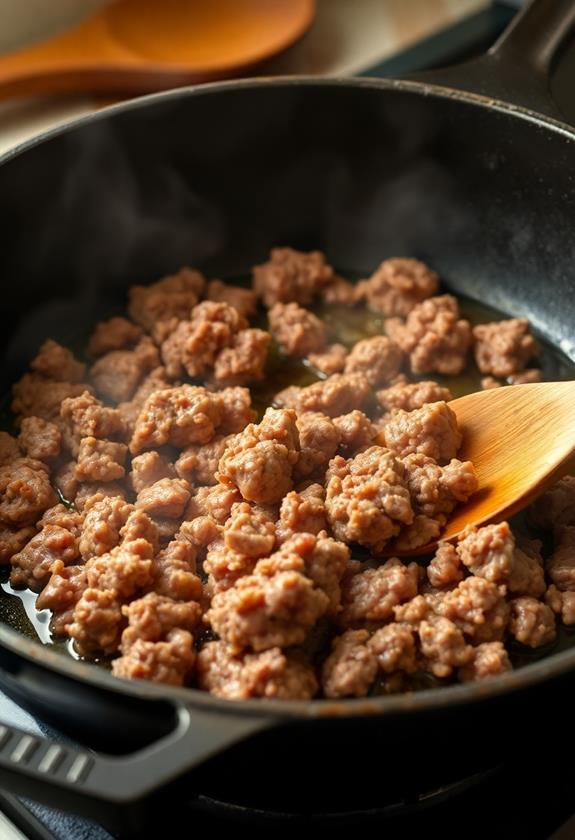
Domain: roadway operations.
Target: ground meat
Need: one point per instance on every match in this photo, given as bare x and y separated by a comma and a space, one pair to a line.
435, 490
431, 430
13, 540
65, 481
338, 291
9, 449
395, 649
319, 440
25, 492
167, 498
118, 373
302, 512
170, 297
261, 611
556, 507
488, 552
525, 377
85, 416
443, 645
139, 526
61, 594
397, 285
200, 532
367, 500
152, 617
351, 667
170, 662
297, 331
532, 623
412, 395
96, 623
157, 380
445, 568
329, 360
434, 336
355, 429
260, 460
174, 572
90, 491
36, 396
272, 674
562, 603
198, 463
214, 501
371, 595
338, 394
488, 383
63, 517
178, 416
104, 519
503, 348
378, 358
292, 276
114, 334
100, 460
56, 362
244, 361
561, 564
478, 608
39, 438
148, 468
237, 410
527, 575
422, 531
125, 570
244, 300
225, 566
249, 531
489, 660
326, 563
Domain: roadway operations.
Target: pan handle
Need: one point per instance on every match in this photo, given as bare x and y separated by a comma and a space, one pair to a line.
516, 69
107, 787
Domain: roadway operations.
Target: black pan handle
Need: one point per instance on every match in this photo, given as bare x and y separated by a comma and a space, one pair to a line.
102, 786
516, 69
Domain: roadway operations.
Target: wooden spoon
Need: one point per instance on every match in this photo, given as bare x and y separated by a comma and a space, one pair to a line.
139, 46
520, 439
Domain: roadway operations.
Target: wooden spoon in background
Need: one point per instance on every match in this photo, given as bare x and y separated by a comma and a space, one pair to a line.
140, 46
520, 439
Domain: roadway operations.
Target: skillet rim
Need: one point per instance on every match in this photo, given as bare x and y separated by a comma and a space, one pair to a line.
437, 699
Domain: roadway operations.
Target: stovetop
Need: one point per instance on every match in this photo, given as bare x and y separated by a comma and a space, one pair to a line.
521, 793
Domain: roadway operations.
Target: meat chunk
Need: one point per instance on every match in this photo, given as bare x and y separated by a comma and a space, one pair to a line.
395, 649
488, 552
152, 617
355, 429
85, 416
118, 373
31, 567
104, 519
127, 569
351, 667
488, 382
326, 562
61, 594
167, 498
338, 394
445, 568
556, 507
435, 490
36, 396
527, 575
13, 540
329, 360
338, 291
224, 567
174, 572
478, 607
237, 410
489, 660
302, 512
532, 623
561, 564
56, 362
214, 501
431, 430
63, 517
443, 645
244, 300
260, 460
39, 439
244, 360
100, 460
198, 464
525, 377
503, 348
434, 336
92, 490
114, 334
249, 531
25, 492
178, 416
397, 285
291, 276
319, 440
562, 603
367, 499
370, 596
148, 468
297, 330
9, 449
157, 380
378, 358
272, 674
170, 662
411, 395
171, 297
96, 623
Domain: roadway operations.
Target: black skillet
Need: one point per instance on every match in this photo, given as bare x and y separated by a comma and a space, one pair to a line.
471, 170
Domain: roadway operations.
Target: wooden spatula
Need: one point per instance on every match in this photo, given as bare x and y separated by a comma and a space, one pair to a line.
140, 46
